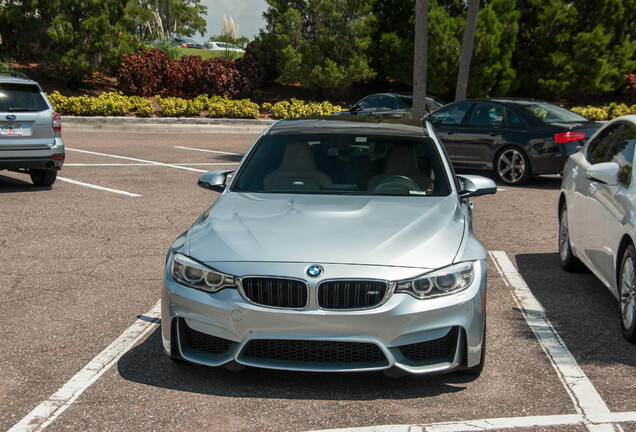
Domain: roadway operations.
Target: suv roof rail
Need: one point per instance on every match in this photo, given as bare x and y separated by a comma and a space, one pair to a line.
14, 74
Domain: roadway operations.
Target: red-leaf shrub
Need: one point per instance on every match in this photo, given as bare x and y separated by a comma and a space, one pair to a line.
183, 77
250, 73
628, 88
141, 73
220, 78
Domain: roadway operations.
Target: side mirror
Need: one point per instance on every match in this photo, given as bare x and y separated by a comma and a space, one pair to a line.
473, 185
605, 172
214, 180
353, 108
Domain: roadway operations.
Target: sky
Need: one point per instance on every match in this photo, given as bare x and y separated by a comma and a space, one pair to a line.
248, 14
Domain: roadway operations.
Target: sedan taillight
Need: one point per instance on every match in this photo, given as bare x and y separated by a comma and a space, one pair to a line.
566, 137
57, 123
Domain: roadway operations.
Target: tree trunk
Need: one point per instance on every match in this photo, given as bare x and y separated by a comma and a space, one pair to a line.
467, 50
420, 54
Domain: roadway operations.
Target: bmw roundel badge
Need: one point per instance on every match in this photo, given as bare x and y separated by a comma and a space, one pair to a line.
314, 271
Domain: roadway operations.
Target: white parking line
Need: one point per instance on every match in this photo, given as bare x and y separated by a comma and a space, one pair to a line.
586, 399
206, 150
50, 409
136, 160
117, 191
592, 410
146, 164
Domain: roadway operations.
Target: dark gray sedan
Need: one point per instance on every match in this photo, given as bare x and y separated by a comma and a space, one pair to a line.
339, 244
513, 138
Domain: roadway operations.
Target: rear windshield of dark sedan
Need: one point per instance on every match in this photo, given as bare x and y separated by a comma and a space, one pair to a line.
550, 113
16, 98
344, 164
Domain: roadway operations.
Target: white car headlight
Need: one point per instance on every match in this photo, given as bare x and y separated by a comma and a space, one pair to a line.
188, 272
447, 280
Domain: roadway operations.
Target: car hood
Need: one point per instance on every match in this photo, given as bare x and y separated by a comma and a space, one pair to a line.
423, 232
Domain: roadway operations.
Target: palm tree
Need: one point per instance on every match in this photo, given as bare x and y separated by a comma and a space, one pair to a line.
420, 54
467, 50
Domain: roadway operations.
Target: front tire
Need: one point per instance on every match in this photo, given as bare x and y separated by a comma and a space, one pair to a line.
43, 177
569, 262
627, 294
512, 166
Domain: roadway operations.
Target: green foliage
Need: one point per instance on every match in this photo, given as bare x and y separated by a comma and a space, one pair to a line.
605, 113
574, 48
319, 44
297, 109
166, 45
216, 106
144, 21
106, 104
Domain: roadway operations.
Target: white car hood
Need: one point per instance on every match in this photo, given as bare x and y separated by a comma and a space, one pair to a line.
423, 232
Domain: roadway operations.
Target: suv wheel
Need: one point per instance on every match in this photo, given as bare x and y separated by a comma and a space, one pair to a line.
43, 177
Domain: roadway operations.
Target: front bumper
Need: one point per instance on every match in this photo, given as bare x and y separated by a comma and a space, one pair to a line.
418, 336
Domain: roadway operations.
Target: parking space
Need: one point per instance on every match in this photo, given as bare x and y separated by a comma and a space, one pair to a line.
81, 264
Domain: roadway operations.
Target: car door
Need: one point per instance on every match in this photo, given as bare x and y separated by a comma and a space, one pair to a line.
369, 105
478, 136
609, 207
581, 224
446, 120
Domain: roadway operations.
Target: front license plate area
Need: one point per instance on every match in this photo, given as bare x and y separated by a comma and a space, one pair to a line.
10, 129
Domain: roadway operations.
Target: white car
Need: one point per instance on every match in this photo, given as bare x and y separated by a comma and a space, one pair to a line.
596, 214
222, 46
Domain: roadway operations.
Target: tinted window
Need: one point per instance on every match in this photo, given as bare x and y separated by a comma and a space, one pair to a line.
514, 120
370, 102
623, 154
344, 164
451, 114
486, 114
599, 147
550, 113
16, 98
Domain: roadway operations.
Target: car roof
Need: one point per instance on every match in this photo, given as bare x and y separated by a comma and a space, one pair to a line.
510, 100
16, 78
350, 125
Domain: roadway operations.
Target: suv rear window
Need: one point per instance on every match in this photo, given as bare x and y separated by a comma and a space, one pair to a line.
17, 97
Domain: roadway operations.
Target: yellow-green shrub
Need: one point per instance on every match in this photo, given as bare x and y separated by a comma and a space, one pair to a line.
106, 104
297, 108
591, 112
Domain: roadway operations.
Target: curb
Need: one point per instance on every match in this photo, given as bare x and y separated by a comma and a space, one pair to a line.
169, 124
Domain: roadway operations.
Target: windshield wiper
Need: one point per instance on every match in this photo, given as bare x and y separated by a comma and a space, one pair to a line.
14, 109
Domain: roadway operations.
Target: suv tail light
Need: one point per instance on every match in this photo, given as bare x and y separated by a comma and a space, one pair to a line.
566, 137
57, 123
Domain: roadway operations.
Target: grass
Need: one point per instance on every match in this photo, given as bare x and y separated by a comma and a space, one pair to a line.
208, 54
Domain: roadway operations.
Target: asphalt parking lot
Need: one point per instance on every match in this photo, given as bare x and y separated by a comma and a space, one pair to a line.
80, 277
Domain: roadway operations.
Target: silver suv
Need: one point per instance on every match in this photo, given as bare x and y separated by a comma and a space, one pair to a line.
30, 130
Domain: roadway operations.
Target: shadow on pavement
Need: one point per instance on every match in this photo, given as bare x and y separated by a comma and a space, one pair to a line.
13, 185
581, 309
147, 364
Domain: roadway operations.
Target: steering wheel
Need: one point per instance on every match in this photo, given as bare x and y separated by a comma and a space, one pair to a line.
396, 184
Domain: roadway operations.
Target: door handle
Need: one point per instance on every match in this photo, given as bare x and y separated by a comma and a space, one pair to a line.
450, 132
494, 134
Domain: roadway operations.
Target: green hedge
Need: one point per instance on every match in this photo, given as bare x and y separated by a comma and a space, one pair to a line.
116, 104
609, 112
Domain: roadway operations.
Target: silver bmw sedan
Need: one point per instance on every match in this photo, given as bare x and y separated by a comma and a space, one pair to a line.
338, 244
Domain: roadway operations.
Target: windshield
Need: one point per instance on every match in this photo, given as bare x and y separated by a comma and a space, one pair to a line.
550, 113
344, 164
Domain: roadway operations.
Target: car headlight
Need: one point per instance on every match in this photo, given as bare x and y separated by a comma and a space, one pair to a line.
447, 280
188, 272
